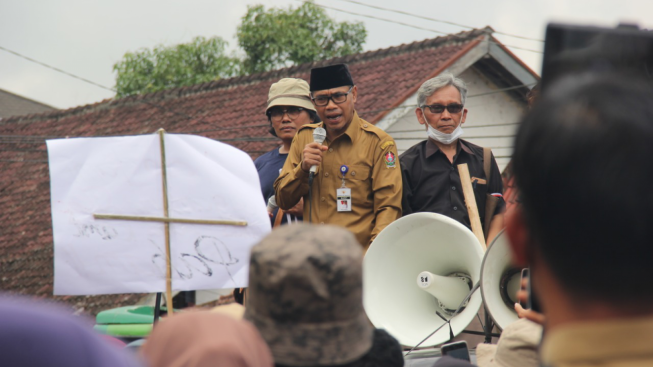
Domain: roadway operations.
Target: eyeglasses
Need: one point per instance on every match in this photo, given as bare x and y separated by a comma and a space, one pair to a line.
276, 114
438, 108
337, 98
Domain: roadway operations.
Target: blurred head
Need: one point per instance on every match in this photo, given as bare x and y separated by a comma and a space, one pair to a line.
582, 164
205, 339
289, 107
305, 295
334, 94
441, 102
35, 334
533, 95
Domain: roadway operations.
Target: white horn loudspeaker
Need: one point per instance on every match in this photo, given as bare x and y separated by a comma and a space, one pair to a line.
500, 282
418, 265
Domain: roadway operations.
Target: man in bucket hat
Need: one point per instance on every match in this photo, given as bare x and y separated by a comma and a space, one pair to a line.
306, 298
289, 108
358, 179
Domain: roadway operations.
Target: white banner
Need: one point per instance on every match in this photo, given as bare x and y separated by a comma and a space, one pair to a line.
207, 180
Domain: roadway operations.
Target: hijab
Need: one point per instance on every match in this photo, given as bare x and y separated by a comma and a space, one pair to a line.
35, 334
205, 339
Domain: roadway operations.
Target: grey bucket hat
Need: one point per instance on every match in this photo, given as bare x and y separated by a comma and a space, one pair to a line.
305, 295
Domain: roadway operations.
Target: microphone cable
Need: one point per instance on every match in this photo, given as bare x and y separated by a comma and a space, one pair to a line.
448, 322
311, 176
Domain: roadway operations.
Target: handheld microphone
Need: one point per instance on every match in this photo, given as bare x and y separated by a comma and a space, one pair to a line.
319, 135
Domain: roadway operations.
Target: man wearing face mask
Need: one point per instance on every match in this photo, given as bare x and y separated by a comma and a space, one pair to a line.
431, 182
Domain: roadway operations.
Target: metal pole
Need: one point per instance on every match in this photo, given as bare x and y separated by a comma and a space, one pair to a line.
157, 308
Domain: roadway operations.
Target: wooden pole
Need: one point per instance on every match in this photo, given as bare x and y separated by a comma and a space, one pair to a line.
164, 177
470, 203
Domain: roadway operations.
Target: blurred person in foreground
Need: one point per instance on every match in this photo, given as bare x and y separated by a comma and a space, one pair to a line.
510, 191
205, 339
519, 342
35, 334
517, 346
582, 165
358, 182
431, 182
306, 298
289, 108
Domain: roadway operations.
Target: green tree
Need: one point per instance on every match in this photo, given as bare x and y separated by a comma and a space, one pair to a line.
199, 61
271, 39
277, 38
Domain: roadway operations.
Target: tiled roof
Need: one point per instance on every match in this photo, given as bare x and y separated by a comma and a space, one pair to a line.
229, 110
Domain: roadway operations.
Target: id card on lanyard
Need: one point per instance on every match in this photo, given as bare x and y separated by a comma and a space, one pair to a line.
343, 194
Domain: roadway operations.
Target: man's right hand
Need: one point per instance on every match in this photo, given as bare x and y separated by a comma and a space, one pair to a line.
525, 313
312, 155
298, 209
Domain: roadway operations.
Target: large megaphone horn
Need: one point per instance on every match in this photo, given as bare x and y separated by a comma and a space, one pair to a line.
418, 266
500, 282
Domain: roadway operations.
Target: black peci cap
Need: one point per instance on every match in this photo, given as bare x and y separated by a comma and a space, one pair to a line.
332, 76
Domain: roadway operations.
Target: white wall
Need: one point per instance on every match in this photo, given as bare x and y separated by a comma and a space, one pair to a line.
491, 119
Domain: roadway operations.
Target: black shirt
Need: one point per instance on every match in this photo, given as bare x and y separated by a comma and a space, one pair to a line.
431, 183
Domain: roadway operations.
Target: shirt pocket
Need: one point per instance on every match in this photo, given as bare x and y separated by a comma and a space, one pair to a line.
479, 186
480, 191
358, 173
359, 180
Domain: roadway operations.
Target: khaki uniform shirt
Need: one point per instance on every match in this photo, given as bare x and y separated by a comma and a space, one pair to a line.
624, 343
374, 178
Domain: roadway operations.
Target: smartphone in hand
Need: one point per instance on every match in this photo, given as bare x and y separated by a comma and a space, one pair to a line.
532, 303
456, 350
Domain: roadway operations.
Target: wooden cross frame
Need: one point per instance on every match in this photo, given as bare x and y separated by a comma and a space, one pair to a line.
167, 220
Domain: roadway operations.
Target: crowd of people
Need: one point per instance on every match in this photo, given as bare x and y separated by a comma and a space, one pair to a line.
580, 224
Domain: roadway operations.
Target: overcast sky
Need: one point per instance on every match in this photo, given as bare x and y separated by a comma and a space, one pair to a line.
86, 37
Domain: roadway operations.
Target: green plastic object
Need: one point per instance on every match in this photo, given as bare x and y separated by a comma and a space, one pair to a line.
125, 330
127, 315
128, 321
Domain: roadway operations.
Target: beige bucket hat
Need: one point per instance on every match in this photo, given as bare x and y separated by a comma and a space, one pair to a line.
290, 92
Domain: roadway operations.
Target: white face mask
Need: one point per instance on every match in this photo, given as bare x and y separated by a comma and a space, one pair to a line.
442, 137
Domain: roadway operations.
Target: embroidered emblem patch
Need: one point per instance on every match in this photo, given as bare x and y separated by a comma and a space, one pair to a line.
390, 160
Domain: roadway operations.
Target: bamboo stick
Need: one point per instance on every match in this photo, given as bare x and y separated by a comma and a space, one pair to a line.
168, 220
164, 177
470, 203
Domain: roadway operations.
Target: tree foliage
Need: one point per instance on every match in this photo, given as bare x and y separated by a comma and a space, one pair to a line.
277, 38
271, 39
201, 60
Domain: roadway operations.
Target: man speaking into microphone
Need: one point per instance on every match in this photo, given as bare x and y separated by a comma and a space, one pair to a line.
357, 184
